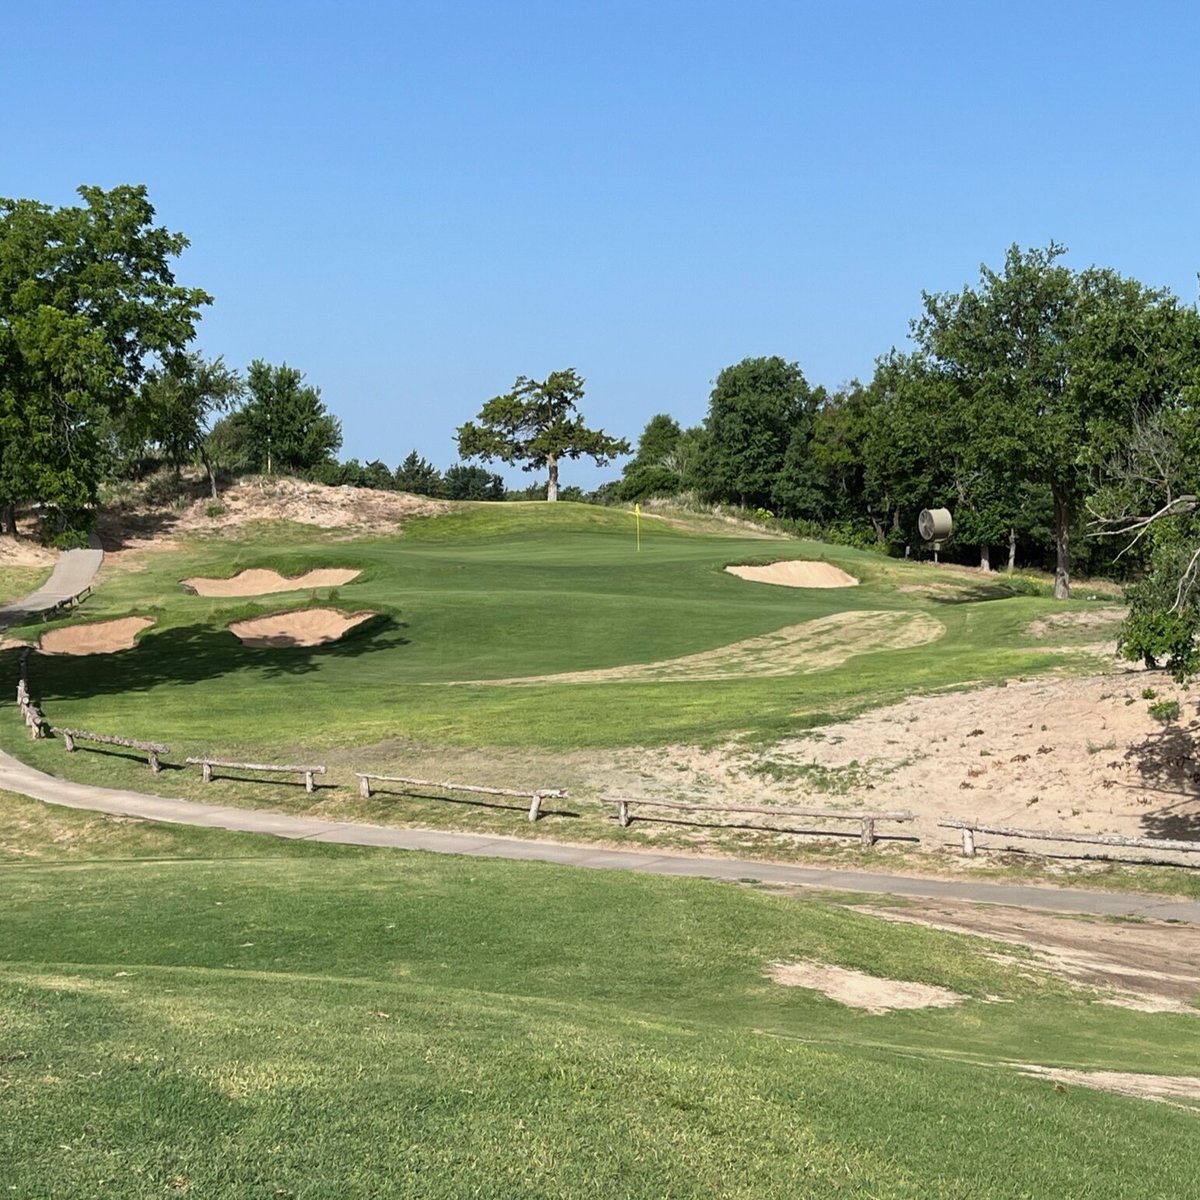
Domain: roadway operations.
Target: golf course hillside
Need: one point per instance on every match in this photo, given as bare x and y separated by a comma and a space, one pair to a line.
196, 1012
526, 625
561, 646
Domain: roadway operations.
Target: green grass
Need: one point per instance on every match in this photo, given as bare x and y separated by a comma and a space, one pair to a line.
492, 592
16, 582
189, 1011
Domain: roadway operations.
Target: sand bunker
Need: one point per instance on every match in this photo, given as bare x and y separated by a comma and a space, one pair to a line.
1167, 1089
306, 627
859, 990
100, 637
797, 574
794, 650
259, 582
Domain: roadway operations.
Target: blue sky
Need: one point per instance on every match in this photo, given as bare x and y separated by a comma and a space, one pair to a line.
414, 204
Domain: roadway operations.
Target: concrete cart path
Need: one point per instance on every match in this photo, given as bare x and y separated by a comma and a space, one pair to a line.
15, 776
74, 571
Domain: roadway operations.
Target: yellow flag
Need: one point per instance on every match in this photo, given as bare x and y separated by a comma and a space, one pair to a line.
637, 520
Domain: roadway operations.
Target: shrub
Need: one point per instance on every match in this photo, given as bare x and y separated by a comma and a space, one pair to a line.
1165, 711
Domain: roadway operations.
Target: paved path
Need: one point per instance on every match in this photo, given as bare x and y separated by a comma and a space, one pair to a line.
76, 569
15, 776
73, 572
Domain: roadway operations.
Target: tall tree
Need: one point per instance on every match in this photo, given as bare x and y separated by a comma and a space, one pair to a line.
285, 424
651, 472
418, 476
463, 482
753, 410
178, 404
537, 424
88, 303
1058, 366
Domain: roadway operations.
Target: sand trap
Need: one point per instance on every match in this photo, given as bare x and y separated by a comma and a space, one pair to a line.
794, 650
259, 582
859, 990
797, 574
306, 627
100, 637
1164, 1088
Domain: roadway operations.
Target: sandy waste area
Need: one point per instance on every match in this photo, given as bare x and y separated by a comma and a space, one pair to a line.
98, 637
797, 574
25, 552
1151, 966
856, 989
306, 627
138, 527
259, 582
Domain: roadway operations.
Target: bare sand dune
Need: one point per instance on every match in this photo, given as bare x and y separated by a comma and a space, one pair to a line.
859, 990
259, 582
99, 637
306, 627
794, 650
797, 574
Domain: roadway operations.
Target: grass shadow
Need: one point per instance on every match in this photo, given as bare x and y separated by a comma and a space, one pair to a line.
194, 654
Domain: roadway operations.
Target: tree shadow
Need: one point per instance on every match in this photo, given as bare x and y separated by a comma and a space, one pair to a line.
1169, 760
975, 594
185, 654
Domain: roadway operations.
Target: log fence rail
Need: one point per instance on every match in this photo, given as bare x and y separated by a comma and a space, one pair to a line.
970, 828
534, 797
206, 766
152, 749
867, 820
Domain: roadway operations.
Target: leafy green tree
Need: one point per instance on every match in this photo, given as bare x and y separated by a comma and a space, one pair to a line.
285, 425
378, 475
417, 476
651, 471
463, 482
1150, 503
840, 428
753, 410
537, 424
178, 402
88, 303
1058, 365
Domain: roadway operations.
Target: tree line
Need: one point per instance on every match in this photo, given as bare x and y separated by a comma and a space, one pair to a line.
1052, 410
1018, 408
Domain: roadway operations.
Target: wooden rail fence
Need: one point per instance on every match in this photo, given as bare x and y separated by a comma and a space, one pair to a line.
534, 797
970, 828
35, 719
152, 749
206, 766
867, 820
66, 602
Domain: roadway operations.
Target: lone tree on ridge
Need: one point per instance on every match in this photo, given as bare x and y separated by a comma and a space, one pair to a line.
537, 424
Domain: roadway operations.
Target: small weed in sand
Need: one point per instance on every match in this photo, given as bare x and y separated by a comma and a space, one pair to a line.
1165, 711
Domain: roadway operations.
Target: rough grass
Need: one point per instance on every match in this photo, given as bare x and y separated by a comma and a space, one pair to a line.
193, 1012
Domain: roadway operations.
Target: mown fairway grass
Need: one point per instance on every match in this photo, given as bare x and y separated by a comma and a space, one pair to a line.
499, 591
193, 1012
